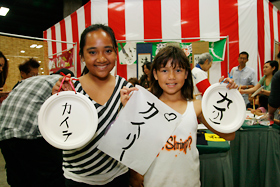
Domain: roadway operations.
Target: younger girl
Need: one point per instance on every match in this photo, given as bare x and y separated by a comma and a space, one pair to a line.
262, 103
88, 166
171, 82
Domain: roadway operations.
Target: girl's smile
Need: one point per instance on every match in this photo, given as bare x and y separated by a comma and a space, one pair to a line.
99, 54
171, 79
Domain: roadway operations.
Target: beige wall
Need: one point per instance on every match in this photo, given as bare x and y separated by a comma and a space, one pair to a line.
11, 47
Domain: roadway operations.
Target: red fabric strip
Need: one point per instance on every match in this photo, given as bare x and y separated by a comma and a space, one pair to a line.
229, 26
75, 35
54, 50
152, 19
63, 34
260, 15
271, 29
87, 8
203, 85
190, 19
116, 20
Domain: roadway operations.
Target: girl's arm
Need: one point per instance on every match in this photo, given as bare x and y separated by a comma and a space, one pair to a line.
65, 86
258, 112
135, 179
265, 92
250, 90
198, 110
125, 94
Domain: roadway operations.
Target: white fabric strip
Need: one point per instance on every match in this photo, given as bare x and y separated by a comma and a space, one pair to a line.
58, 37
134, 28
81, 21
210, 28
49, 36
99, 11
69, 35
267, 42
248, 31
171, 19
275, 23
209, 19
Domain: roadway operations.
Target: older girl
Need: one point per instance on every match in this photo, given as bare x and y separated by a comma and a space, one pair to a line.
88, 166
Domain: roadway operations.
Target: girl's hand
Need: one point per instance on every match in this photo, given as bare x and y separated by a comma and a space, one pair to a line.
231, 83
65, 86
135, 179
125, 94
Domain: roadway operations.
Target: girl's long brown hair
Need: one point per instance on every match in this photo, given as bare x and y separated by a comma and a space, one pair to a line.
178, 58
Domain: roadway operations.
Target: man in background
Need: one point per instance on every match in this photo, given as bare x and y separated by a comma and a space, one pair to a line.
243, 75
199, 75
28, 69
30, 160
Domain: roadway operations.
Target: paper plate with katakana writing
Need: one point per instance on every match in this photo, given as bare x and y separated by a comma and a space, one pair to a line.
68, 120
223, 109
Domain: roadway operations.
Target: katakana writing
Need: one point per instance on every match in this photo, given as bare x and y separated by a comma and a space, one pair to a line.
220, 110
152, 111
65, 132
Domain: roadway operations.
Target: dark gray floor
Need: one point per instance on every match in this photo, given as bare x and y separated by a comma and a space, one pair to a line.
3, 179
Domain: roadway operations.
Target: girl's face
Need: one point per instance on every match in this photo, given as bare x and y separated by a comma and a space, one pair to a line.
146, 70
267, 69
99, 54
2, 64
170, 79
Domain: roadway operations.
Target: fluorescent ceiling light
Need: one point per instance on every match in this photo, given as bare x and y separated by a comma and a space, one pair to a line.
39, 46
4, 11
33, 45
22, 51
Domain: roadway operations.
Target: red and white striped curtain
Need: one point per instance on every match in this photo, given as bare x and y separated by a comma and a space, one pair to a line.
252, 26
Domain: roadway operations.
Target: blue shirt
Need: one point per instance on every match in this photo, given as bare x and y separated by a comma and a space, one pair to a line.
246, 76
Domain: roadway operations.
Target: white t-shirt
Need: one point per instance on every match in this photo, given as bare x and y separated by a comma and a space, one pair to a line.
177, 164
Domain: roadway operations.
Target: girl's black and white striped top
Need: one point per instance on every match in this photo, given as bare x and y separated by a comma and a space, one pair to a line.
88, 164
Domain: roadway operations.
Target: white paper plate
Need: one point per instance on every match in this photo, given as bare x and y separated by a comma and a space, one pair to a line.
82, 120
233, 114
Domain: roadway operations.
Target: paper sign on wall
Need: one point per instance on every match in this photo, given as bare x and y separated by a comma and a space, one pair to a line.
140, 131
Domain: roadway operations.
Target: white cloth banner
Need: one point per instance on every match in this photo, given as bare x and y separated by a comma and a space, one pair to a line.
140, 131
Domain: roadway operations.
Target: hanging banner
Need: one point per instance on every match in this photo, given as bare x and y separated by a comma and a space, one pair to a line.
65, 60
217, 50
127, 53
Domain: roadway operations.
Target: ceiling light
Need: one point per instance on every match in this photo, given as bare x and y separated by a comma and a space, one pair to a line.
33, 45
22, 51
42, 68
4, 11
39, 61
39, 46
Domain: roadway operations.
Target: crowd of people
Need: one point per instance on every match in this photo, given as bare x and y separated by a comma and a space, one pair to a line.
31, 161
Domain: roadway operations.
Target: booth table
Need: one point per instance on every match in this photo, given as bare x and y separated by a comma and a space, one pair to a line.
215, 164
255, 154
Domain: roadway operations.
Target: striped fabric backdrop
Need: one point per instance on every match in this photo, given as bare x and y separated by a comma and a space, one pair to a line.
252, 26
